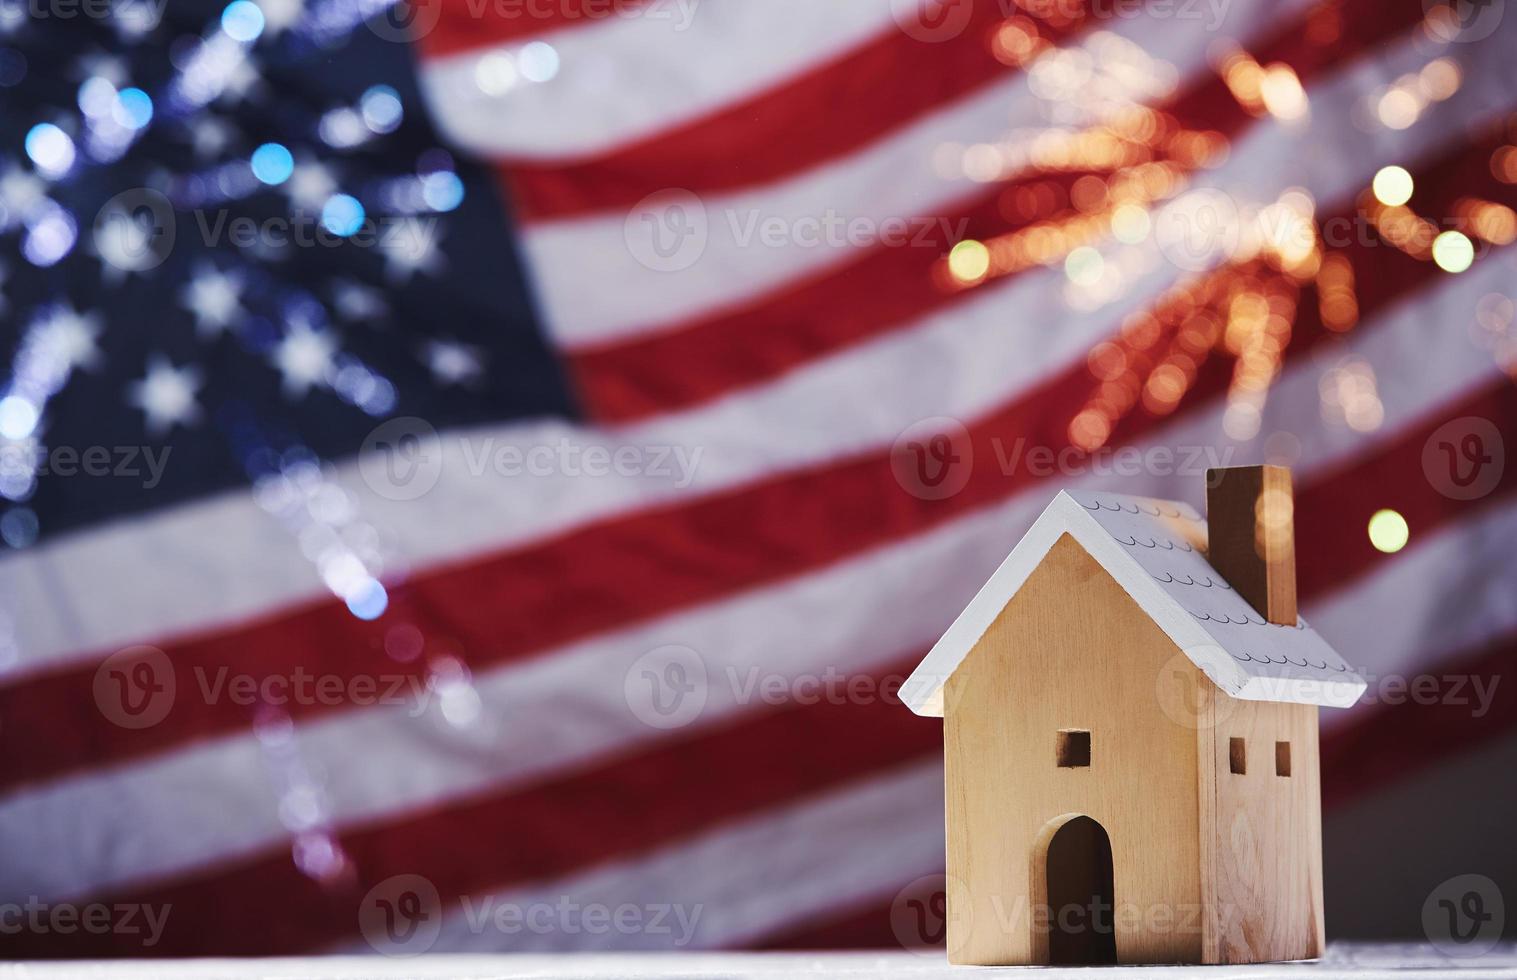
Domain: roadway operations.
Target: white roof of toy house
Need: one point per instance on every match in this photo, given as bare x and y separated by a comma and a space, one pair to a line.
1154, 550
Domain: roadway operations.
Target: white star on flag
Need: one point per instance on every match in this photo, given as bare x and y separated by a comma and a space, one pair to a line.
210, 136
411, 245
355, 301
453, 363
303, 358
166, 395
64, 340
20, 193
214, 297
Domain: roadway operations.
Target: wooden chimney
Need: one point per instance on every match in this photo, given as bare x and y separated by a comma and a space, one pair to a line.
1251, 515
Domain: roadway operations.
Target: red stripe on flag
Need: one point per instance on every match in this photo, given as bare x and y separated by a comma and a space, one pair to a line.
776, 132
1425, 725
779, 132
624, 805
626, 568
1332, 523
445, 27
885, 288
616, 809
866, 927
1384, 744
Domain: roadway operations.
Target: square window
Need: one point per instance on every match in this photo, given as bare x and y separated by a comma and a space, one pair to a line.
1282, 758
1237, 756
1073, 747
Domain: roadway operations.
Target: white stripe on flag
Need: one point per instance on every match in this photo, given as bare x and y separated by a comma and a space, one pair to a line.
638, 291
629, 77
770, 871
568, 707
1446, 595
211, 567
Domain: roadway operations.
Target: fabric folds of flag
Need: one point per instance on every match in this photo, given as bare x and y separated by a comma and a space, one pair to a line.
642, 628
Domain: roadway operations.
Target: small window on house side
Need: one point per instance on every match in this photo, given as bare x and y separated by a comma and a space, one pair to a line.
1282, 758
1237, 756
1073, 748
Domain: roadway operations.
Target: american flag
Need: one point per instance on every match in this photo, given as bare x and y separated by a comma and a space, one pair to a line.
504, 454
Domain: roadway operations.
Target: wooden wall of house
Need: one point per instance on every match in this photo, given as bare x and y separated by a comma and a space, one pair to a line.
1073, 651
1262, 861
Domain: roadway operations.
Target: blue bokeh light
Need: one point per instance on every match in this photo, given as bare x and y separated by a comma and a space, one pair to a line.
442, 191
538, 62
97, 97
382, 111
342, 215
18, 527
243, 21
18, 417
50, 148
49, 237
273, 164
134, 108
369, 601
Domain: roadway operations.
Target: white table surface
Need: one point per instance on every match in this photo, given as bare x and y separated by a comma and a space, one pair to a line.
1343, 959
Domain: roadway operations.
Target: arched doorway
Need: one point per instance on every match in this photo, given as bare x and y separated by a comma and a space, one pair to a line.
1080, 895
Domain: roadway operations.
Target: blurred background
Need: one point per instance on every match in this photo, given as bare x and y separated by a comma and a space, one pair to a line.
474, 473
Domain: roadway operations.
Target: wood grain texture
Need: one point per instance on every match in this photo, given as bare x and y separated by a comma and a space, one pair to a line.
1071, 650
1252, 536
1261, 854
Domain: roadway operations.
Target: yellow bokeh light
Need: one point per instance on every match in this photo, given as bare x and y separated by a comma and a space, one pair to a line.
1504, 164
1453, 251
1389, 531
1398, 109
1084, 266
1130, 224
1281, 92
1393, 186
969, 261
1440, 79
1496, 223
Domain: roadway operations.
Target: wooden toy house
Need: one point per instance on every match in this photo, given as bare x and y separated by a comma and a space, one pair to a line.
1130, 737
